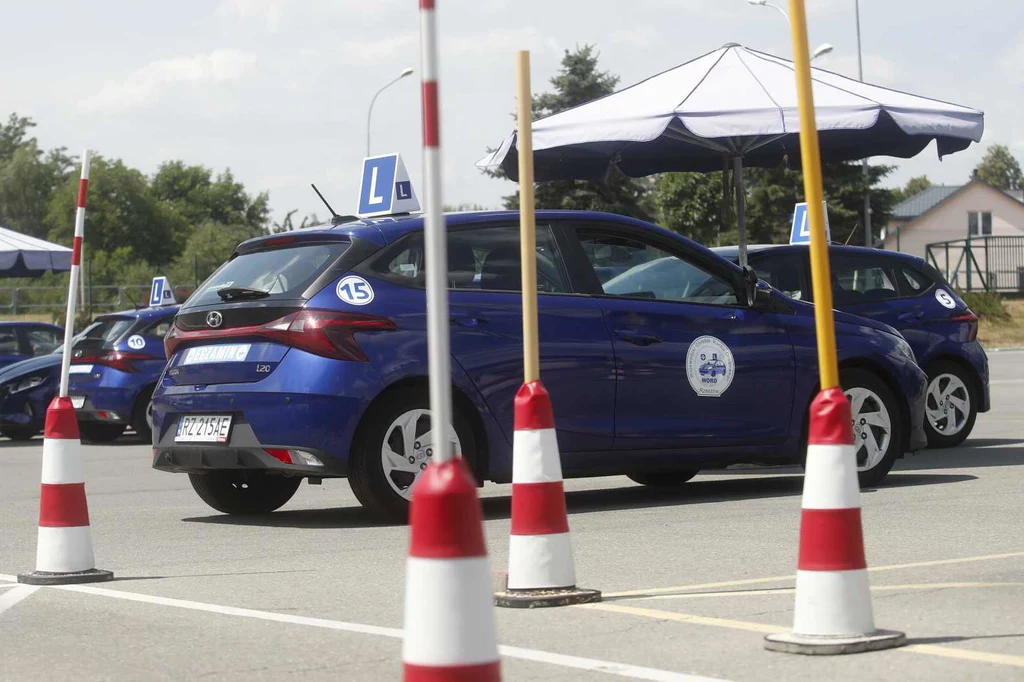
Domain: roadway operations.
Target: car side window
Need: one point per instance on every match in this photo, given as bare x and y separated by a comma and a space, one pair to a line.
9, 343
160, 329
481, 259
911, 281
783, 274
632, 268
860, 280
42, 341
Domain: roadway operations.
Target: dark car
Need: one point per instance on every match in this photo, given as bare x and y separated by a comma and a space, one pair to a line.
23, 340
907, 293
305, 356
114, 369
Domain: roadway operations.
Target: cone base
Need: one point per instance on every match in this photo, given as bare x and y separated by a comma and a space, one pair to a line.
818, 645
537, 599
93, 575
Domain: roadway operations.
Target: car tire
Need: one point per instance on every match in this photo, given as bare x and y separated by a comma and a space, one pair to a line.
141, 415
97, 432
662, 479
877, 425
244, 492
950, 390
19, 433
386, 493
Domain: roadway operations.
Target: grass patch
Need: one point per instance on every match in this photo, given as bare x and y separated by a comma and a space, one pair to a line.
987, 305
1004, 332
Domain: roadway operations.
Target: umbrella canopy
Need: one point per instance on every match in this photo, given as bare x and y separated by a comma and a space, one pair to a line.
734, 103
24, 256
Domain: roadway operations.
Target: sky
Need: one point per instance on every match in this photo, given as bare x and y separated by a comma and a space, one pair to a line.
278, 90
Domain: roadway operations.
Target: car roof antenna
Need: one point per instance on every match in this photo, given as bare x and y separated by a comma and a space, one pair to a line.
335, 218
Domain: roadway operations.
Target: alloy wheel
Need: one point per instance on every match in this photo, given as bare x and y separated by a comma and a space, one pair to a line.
872, 427
408, 446
948, 404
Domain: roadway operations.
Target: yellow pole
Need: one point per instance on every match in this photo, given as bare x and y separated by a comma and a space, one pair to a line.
821, 277
527, 224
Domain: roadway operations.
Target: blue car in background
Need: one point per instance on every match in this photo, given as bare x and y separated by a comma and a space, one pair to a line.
305, 356
22, 340
907, 293
114, 369
26, 389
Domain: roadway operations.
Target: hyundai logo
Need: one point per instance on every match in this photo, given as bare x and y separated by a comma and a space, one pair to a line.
214, 318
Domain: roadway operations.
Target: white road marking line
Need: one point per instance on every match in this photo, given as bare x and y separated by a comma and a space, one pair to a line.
640, 594
767, 628
563, 660
790, 590
1006, 381
9, 599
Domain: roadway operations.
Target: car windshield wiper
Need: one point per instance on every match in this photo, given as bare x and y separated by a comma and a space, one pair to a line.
239, 293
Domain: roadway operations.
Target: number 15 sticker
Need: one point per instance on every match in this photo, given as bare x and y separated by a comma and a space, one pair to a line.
354, 290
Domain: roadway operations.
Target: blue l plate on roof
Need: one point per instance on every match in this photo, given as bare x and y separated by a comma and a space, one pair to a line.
160, 293
800, 232
385, 188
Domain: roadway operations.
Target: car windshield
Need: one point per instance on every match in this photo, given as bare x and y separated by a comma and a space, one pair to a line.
670, 279
267, 275
105, 331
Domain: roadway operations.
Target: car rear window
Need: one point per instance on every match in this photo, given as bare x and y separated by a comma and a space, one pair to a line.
282, 273
105, 332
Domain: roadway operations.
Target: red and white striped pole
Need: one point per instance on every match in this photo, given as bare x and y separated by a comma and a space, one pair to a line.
64, 552
449, 614
76, 271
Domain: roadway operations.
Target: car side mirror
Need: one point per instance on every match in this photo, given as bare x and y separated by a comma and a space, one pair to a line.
755, 296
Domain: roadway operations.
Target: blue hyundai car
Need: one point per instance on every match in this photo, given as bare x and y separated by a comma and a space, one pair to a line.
305, 356
909, 294
114, 369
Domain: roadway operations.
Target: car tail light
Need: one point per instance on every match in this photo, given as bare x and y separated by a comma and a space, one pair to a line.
971, 319
320, 332
289, 456
116, 359
279, 454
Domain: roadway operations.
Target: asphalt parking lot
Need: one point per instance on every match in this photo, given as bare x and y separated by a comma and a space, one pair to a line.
693, 579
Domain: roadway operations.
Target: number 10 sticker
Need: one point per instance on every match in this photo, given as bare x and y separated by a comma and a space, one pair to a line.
354, 290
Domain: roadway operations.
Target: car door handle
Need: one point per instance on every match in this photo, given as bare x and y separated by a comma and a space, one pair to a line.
468, 320
910, 317
635, 337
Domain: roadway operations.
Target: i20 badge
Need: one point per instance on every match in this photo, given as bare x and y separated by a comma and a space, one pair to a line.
709, 366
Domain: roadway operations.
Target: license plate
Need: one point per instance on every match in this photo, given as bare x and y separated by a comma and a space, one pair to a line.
203, 429
204, 355
80, 369
78, 401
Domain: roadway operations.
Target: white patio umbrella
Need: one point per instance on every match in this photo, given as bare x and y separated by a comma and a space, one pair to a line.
736, 106
24, 256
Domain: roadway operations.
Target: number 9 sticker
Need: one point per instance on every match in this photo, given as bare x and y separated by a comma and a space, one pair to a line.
354, 290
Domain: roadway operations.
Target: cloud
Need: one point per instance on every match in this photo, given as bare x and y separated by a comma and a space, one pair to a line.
500, 40
271, 12
1012, 62
877, 69
641, 36
374, 51
147, 84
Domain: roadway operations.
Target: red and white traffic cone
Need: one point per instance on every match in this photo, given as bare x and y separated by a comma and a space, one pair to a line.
449, 618
833, 598
64, 551
540, 565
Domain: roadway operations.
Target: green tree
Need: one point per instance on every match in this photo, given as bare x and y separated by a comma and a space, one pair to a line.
195, 194
914, 186
123, 212
999, 168
692, 204
28, 177
580, 81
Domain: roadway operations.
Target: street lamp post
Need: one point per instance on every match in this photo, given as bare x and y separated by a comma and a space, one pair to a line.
819, 51
868, 241
405, 72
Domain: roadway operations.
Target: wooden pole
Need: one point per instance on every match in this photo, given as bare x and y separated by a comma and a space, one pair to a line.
810, 154
527, 219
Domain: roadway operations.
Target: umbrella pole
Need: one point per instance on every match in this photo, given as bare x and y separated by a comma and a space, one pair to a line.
741, 206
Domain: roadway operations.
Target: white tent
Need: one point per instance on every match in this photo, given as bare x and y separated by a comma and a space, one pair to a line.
24, 256
739, 107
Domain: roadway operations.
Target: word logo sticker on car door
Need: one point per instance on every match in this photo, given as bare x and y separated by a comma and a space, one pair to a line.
945, 299
354, 290
709, 366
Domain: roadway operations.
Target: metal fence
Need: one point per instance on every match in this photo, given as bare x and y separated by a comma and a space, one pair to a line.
92, 299
980, 263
